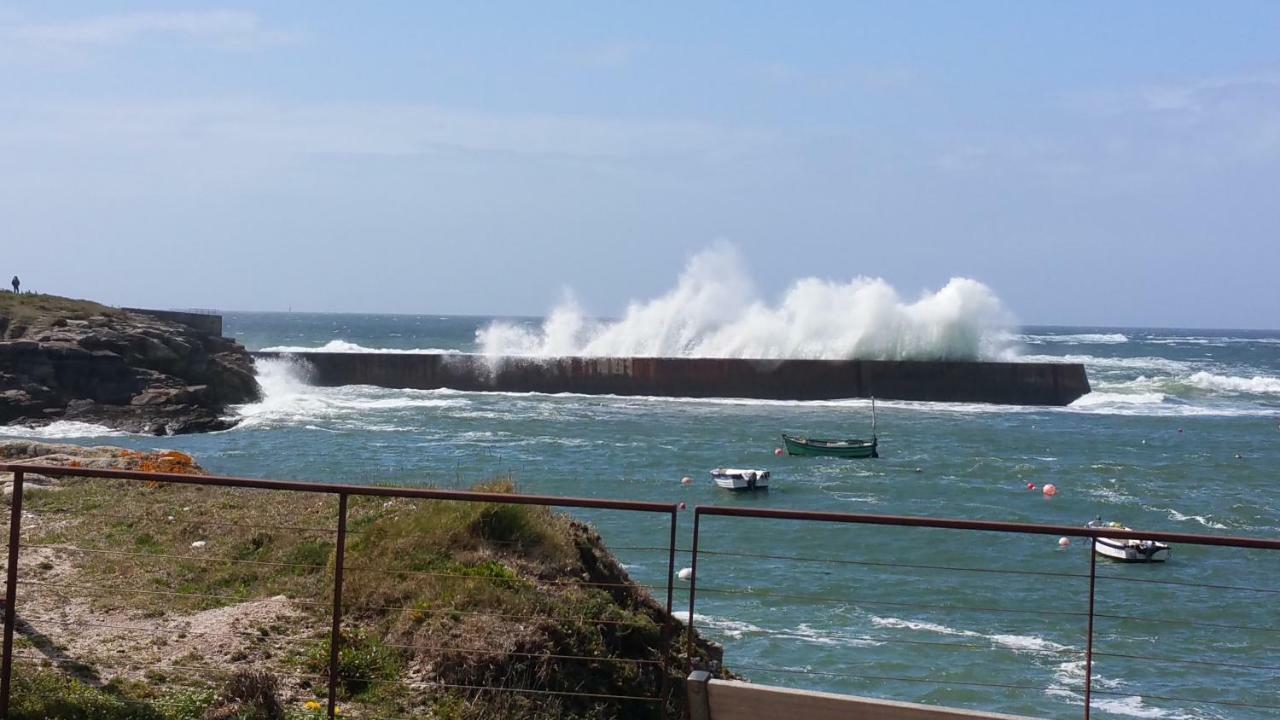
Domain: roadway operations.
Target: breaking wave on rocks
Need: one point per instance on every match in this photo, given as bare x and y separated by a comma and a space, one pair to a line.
715, 310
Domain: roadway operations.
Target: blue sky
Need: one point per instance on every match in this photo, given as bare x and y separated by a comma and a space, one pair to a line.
1094, 163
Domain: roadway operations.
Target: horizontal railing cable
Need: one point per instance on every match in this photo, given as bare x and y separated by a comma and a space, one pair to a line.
410, 493
1188, 623
492, 578
217, 670
891, 678
507, 616
1213, 663
402, 609
863, 601
1173, 698
165, 593
985, 526
499, 651
504, 688
94, 515
894, 565
1178, 583
177, 633
164, 556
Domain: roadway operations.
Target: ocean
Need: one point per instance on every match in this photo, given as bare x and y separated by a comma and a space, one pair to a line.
1181, 433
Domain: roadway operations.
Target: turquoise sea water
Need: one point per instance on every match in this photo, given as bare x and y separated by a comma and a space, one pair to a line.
1182, 433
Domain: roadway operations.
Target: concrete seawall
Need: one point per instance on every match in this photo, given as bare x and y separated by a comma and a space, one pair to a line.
207, 323
942, 381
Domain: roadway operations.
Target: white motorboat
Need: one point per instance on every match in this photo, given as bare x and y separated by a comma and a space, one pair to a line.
1128, 549
738, 479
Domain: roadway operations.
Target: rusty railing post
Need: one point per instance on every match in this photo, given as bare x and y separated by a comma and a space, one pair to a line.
693, 582
335, 636
11, 592
1088, 651
668, 630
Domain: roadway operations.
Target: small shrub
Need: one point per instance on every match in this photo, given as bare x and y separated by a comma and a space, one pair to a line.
46, 694
249, 695
362, 661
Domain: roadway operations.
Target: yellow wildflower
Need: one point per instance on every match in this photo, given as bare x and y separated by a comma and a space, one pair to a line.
312, 705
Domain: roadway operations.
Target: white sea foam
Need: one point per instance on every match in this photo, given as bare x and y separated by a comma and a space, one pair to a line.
1094, 362
288, 398
1078, 338
1133, 706
1028, 643
1017, 643
733, 628
1179, 517
342, 346
1111, 496
808, 634
715, 311
1256, 385
60, 430
1114, 400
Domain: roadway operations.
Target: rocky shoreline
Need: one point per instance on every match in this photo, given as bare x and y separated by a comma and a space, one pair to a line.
63, 359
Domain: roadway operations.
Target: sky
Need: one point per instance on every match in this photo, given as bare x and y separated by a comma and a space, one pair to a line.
1094, 163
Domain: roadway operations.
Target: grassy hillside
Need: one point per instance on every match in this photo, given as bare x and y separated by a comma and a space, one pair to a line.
35, 311
443, 601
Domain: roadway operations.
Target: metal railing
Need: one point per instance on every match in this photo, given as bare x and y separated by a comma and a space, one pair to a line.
987, 604
772, 596
340, 532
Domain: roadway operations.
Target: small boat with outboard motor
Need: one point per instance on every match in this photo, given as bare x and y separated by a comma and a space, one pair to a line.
741, 479
1127, 549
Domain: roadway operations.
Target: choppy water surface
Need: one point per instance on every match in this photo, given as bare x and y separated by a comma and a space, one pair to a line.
1154, 446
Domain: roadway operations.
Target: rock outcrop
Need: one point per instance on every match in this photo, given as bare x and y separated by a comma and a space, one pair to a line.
71, 360
102, 457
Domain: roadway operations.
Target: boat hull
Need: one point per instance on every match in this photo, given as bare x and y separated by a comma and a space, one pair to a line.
741, 481
1131, 550
852, 449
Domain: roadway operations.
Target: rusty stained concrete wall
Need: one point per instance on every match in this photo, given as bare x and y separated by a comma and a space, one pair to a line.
942, 381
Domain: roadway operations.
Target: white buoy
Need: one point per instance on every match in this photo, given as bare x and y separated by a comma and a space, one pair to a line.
686, 480
1064, 542
685, 573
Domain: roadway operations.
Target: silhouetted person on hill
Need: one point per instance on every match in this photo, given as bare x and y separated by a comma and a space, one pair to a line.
16, 283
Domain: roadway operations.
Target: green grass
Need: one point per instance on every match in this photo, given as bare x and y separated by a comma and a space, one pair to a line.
484, 594
39, 311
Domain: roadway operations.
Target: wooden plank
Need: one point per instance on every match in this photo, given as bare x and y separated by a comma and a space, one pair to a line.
732, 700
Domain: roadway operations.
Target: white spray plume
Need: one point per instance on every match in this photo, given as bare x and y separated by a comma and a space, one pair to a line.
714, 311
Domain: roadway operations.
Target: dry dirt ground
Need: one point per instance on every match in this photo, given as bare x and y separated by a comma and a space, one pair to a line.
58, 624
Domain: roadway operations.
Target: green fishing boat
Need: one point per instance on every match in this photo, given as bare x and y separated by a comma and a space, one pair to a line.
817, 447
841, 448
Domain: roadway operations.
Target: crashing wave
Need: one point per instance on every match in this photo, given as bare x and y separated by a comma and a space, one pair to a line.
715, 311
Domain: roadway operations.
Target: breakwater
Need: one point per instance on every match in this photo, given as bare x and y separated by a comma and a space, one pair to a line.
1007, 383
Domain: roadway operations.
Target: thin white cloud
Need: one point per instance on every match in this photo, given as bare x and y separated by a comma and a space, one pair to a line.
216, 28
355, 128
1137, 137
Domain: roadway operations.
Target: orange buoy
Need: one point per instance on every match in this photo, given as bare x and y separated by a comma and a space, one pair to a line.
778, 452
1050, 490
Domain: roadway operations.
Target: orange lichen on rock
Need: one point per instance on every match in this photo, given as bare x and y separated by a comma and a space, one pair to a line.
170, 461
